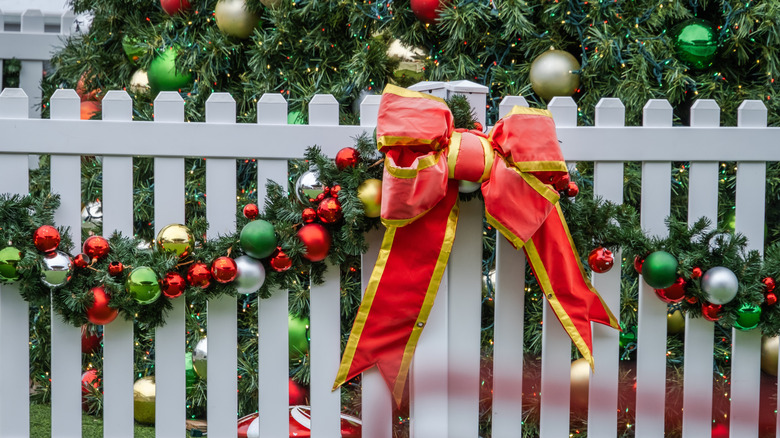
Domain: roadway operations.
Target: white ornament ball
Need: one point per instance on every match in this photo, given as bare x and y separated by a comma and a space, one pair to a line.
720, 285
251, 275
468, 186
254, 429
92, 214
139, 83
81, 24
200, 358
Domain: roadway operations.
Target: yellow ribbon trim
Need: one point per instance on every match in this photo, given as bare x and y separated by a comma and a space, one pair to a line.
489, 155
510, 236
403, 92
524, 110
411, 172
386, 141
540, 166
452, 154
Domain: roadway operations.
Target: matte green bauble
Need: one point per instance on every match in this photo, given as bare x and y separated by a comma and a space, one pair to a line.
695, 42
9, 260
660, 270
143, 285
258, 239
298, 329
748, 316
163, 75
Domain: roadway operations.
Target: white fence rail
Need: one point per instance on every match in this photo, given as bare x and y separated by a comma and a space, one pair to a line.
445, 376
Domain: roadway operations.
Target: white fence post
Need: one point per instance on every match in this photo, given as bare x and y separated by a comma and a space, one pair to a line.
32, 70
222, 313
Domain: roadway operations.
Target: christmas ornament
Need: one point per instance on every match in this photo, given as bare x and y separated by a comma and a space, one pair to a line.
675, 322
308, 215
298, 394
139, 82
88, 109
81, 261
144, 390
428, 11
317, 241
163, 74
234, 19
90, 340
92, 215
83, 92
251, 275
674, 293
258, 239
710, 311
600, 260
143, 285
115, 268
46, 238
300, 424
175, 238
720, 285
638, 262
224, 269
173, 7
334, 191
244, 423
580, 377
81, 24
552, 74
696, 272
56, 269
308, 186
280, 262
200, 358
173, 285
370, 194
198, 275
251, 211
9, 260
100, 313
771, 299
468, 186
769, 348
90, 382
298, 334
573, 189
659, 269
562, 183
748, 316
769, 284
692, 300
329, 210
627, 340
189, 371
695, 42
96, 247
347, 157
133, 48
295, 117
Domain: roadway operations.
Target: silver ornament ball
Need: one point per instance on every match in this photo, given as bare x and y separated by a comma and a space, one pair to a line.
92, 214
720, 285
552, 74
56, 269
200, 358
468, 186
251, 275
308, 186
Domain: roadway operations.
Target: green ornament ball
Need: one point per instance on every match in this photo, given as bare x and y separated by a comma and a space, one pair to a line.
189, 372
163, 75
748, 316
133, 48
295, 118
9, 260
298, 329
258, 239
143, 285
660, 270
695, 42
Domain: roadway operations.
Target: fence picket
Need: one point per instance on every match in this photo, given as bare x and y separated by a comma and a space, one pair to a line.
32, 70
66, 339
170, 407
222, 313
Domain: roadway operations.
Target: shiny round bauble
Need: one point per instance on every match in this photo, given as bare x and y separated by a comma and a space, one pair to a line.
308, 186
769, 348
143, 285
428, 11
347, 157
296, 118
81, 261
552, 74
189, 371
562, 183
297, 393
200, 358
99, 313
674, 293
769, 284
370, 194
573, 190
638, 262
692, 300
133, 48
246, 423
92, 214
173, 285
468, 186
224, 269
770, 298
9, 260
335, 190
280, 262
234, 19
695, 42
720, 285
258, 239
580, 377
659, 269
316, 239
96, 247
710, 311
199, 275
175, 238
144, 390
115, 268
298, 334
329, 211
46, 238
675, 322
251, 275
139, 82
251, 211
601, 260
89, 379
308, 215
56, 269
696, 272
173, 7
89, 109
163, 74
748, 316
90, 340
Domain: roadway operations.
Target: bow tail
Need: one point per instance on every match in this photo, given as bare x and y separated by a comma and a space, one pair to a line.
400, 295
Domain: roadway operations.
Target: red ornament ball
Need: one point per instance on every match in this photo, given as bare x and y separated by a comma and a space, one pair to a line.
173, 7
769, 284
96, 247
317, 241
692, 300
428, 11
298, 394
319, 197
90, 341
674, 293
88, 378
573, 189
199, 275
81, 261
711, 312
334, 191
562, 183
329, 210
309, 215
251, 211
280, 262
46, 238
347, 157
224, 269
115, 268
771, 299
478, 127
601, 260
100, 313
638, 262
173, 285
696, 272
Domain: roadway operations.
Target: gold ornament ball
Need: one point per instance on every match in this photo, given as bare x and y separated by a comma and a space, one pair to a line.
370, 194
580, 376
143, 400
675, 322
551, 74
175, 238
234, 19
769, 347
139, 83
